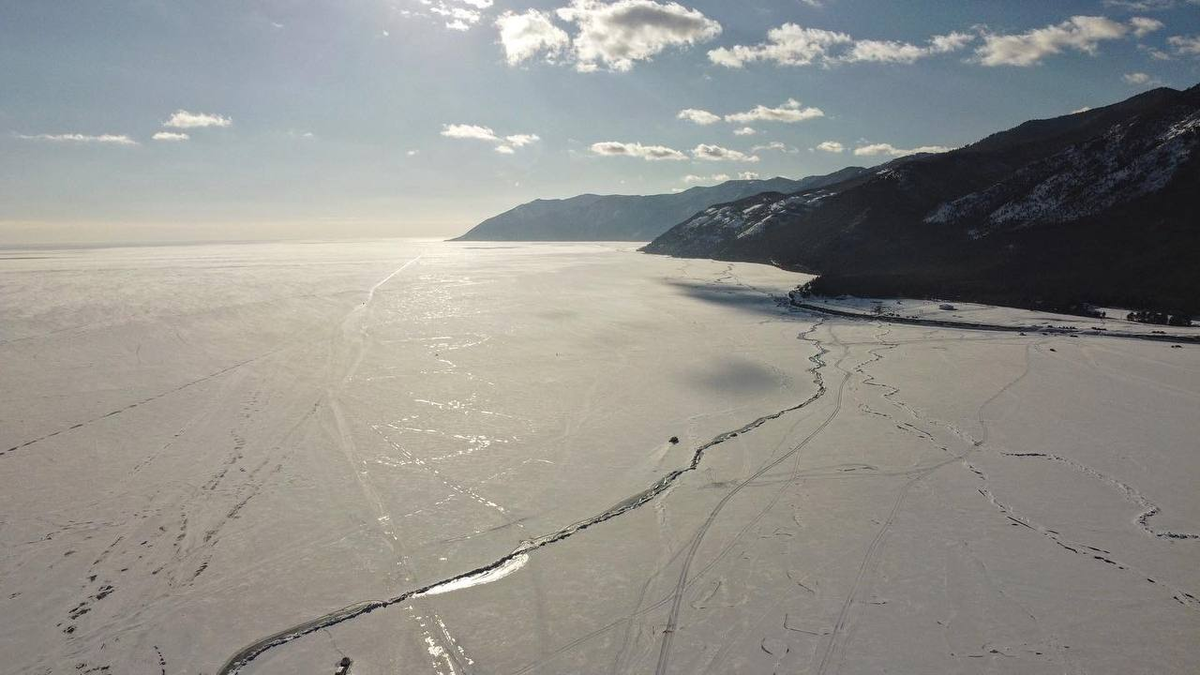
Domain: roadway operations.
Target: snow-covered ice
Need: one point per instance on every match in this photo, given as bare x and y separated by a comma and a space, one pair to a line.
206, 446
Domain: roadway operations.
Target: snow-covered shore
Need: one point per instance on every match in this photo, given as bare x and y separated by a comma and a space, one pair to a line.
967, 315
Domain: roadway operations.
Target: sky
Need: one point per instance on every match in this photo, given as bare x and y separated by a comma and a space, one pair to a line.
174, 120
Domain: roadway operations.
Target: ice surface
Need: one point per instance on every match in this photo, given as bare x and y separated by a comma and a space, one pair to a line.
205, 446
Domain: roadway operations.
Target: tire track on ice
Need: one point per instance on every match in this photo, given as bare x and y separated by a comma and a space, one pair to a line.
515, 559
677, 598
142, 402
834, 648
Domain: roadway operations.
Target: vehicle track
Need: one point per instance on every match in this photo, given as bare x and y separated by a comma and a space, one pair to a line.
252, 651
673, 617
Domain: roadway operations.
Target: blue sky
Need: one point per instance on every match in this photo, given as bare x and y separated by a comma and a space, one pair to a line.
323, 118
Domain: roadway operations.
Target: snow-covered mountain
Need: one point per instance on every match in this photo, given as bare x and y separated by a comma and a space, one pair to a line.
1101, 206
627, 217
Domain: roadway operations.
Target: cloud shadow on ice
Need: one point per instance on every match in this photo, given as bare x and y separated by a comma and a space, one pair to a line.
741, 298
734, 376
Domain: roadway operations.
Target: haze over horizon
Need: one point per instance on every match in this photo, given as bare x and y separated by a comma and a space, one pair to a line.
155, 121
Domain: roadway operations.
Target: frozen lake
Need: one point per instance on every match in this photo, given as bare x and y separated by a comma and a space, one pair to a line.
206, 446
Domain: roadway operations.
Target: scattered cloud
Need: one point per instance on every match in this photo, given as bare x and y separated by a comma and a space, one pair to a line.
649, 153
1081, 110
876, 149
1143, 26
1155, 53
182, 119
702, 117
170, 136
459, 15
524, 36
521, 140
795, 45
1148, 5
505, 145
470, 131
788, 45
107, 139
1080, 33
715, 153
889, 51
608, 35
1141, 80
775, 145
618, 34
744, 131
830, 146
747, 175
412, 153
715, 178
789, 112
1185, 45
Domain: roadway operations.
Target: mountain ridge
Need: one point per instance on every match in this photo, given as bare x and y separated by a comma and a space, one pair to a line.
1091, 207
593, 217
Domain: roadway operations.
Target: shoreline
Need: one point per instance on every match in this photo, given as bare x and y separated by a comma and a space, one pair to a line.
967, 325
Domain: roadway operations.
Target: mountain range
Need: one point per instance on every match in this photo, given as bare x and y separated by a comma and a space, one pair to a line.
1097, 207
592, 217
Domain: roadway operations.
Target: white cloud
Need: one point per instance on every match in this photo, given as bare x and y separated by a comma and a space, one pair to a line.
747, 175
889, 51
715, 178
1148, 5
1141, 80
1081, 110
471, 131
950, 42
1155, 53
702, 117
524, 36
1081, 33
618, 34
789, 45
791, 111
744, 131
1185, 45
646, 152
775, 145
412, 153
170, 136
521, 140
183, 119
474, 132
608, 35
715, 153
795, 45
460, 15
830, 146
875, 149
108, 139
1143, 26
